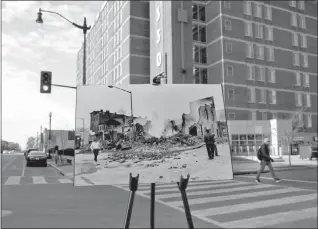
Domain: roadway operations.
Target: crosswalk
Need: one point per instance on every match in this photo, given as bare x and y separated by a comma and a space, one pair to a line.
238, 204
24, 180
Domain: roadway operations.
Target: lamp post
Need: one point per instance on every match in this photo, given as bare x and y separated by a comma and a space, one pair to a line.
131, 105
84, 28
50, 116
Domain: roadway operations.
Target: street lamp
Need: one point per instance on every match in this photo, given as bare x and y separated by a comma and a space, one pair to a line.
83, 128
84, 28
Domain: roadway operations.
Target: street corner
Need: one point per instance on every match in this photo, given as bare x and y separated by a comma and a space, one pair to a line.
86, 168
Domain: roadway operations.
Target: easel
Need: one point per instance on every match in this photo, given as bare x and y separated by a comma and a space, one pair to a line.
133, 186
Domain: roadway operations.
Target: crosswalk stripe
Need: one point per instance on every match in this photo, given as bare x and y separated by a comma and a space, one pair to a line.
13, 180
65, 181
169, 185
254, 205
194, 193
273, 219
199, 187
234, 197
39, 180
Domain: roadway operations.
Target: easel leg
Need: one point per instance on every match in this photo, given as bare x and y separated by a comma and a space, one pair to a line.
152, 206
182, 187
133, 186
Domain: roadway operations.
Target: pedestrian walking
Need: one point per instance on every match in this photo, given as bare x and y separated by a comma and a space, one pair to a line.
215, 147
266, 160
209, 142
95, 147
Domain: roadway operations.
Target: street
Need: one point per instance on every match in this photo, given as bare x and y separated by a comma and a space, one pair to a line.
238, 203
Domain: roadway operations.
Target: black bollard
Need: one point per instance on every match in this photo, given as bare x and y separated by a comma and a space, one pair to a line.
183, 184
152, 206
133, 186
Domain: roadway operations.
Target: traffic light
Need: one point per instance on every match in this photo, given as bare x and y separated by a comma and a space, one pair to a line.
46, 82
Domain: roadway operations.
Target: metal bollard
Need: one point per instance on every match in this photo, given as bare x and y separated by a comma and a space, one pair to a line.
133, 186
152, 206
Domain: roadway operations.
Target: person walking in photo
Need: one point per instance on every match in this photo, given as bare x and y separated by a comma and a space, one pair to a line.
95, 147
215, 148
209, 142
266, 160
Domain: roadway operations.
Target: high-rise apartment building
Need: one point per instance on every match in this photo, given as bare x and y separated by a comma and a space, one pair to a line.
264, 53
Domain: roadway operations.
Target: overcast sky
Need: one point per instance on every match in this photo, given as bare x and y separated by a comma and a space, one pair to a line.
168, 101
28, 49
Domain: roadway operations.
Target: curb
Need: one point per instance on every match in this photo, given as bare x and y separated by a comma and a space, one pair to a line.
60, 170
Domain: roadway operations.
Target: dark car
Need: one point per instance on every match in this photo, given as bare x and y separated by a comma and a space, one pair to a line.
26, 153
37, 157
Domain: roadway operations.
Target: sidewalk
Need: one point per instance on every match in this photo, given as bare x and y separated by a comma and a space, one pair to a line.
66, 169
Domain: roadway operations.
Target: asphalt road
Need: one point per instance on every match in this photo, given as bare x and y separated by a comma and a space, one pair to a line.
238, 203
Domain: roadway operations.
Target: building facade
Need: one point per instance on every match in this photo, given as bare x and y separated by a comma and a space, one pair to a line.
264, 53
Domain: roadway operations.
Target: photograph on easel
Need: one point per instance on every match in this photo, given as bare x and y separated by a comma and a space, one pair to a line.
158, 132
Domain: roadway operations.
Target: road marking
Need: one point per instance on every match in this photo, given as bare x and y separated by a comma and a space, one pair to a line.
65, 181
23, 170
192, 184
39, 180
299, 181
256, 205
9, 163
199, 187
235, 196
195, 193
273, 219
13, 180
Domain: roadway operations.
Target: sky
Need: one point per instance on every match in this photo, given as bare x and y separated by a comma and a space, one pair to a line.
161, 102
29, 48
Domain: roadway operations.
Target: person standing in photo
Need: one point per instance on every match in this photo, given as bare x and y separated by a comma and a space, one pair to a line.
95, 147
266, 160
209, 142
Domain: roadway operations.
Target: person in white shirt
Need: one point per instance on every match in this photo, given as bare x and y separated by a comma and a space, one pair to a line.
95, 147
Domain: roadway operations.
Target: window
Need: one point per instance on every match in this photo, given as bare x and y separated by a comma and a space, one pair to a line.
309, 121
231, 94
271, 55
228, 47
198, 12
269, 33
230, 70
308, 100
227, 4
296, 58
260, 52
251, 95
268, 12
258, 10
199, 55
250, 72
301, 5
202, 13
261, 74
248, 29
264, 115
253, 115
295, 39
200, 75
298, 100
262, 96
195, 12
247, 8
228, 25
306, 79
272, 76
199, 33
249, 50
292, 3
298, 79
302, 20
231, 116
258, 31
303, 40
305, 60
273, 97
293, 19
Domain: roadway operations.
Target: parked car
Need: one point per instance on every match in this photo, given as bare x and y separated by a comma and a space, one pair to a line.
36, 157
28, 151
